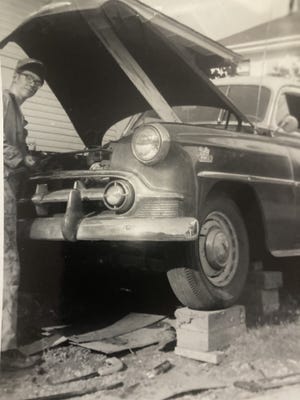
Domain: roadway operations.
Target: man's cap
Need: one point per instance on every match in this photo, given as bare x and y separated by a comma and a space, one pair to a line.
30, 64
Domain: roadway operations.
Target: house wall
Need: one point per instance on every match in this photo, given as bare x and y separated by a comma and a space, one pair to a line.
48, 125
267, 63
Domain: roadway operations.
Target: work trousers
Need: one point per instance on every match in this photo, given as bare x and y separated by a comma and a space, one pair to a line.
11, 270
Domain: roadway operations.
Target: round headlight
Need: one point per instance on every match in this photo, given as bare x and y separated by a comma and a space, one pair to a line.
150, 143
118, 196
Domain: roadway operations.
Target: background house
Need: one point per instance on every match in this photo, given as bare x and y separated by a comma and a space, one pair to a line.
271, 48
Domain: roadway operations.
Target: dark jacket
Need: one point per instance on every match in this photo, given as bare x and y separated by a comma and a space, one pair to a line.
14, 138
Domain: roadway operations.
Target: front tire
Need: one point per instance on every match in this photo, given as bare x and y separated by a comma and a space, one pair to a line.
214, 268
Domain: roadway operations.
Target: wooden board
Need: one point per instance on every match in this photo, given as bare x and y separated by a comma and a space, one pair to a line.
134, 72
129, 323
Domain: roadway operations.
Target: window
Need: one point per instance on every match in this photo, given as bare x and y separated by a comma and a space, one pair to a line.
252, 100
288, 104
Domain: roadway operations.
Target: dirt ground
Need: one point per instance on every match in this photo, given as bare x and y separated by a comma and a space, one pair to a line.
262, 352
269, 348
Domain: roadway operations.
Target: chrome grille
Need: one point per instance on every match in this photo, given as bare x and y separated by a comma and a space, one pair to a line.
159, 208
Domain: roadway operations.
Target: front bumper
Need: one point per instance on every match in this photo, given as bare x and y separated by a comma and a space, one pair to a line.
116, 229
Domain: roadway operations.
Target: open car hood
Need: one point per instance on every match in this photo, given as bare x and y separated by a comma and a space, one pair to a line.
73, 40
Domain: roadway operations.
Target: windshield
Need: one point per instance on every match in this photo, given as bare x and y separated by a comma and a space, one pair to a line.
252, 100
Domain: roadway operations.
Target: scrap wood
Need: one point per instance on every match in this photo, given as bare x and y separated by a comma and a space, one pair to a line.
177, 383
77, 378
42, 344
54, 328
269, 383
138, 339
196, 390
111, 366
161, 368
129, 323
184, 390
78, 393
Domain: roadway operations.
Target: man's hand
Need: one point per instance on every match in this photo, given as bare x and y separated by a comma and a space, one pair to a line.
31, 161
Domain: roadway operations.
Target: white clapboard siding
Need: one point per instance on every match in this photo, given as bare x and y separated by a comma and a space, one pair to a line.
49, 128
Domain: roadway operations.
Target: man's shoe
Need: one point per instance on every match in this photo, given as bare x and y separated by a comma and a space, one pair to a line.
15, 360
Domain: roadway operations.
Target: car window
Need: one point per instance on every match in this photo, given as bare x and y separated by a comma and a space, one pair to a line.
191, 114
288, 104
252, 100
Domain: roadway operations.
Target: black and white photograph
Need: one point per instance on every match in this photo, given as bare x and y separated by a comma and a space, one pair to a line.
150, 199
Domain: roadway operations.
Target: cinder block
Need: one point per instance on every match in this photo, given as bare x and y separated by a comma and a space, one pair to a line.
257, 266
265, 279
197, 340
210, 320
210, 357
261, 301
209, 330
269, 301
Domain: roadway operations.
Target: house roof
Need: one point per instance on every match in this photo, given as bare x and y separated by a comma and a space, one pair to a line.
281, 27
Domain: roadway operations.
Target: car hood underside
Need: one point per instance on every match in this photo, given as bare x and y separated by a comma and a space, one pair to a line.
88, 79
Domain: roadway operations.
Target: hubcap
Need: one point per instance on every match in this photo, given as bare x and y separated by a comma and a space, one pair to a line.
218, 249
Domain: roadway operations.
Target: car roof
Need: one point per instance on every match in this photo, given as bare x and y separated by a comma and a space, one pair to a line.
272, 82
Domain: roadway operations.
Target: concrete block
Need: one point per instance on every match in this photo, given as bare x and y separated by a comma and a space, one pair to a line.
269, 301
257, 266
210, 357
197, 340
265, 279
261, 301
208, 321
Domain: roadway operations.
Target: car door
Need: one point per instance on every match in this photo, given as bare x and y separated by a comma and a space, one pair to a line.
288, 102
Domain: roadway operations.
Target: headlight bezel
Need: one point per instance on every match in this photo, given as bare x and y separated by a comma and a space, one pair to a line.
127, 196
164, 141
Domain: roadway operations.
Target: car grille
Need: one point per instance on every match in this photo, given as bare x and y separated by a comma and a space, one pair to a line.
51, 198
159, 208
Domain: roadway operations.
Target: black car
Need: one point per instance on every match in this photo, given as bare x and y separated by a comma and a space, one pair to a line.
189, 172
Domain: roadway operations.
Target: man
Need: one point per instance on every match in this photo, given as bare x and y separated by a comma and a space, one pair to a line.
27, 79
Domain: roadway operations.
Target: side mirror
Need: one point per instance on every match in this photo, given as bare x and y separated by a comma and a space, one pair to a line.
289, 124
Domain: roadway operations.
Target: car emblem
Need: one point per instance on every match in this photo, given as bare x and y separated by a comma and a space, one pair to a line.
204, 155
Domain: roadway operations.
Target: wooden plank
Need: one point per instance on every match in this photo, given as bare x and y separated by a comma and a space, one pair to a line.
205, 356
42, 344
129, 323
133, 340
134, 72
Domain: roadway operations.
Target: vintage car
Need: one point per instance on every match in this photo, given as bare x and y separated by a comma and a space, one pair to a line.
208, 185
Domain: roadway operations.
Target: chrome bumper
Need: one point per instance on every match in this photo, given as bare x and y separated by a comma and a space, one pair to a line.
117, 229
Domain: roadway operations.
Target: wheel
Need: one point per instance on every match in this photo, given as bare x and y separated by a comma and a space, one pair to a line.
213, 269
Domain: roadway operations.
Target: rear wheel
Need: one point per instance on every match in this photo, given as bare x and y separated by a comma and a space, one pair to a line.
214, 268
